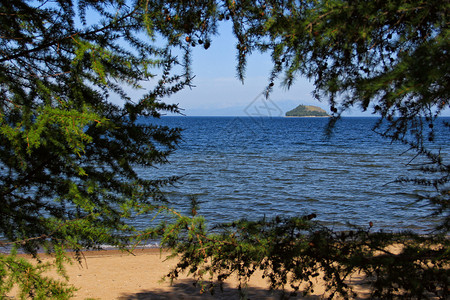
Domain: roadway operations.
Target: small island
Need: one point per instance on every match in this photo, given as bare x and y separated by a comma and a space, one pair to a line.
307, 111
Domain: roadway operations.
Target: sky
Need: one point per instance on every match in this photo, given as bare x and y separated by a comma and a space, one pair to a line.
218, 91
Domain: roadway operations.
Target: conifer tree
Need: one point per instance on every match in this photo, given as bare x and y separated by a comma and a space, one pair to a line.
388, 57
68, 154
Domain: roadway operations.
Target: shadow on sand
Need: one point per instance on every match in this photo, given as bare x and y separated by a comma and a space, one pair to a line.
184, 289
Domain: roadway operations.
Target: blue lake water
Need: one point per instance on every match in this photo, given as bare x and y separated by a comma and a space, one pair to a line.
247, 167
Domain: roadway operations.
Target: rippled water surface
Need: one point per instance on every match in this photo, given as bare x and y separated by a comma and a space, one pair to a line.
243, 167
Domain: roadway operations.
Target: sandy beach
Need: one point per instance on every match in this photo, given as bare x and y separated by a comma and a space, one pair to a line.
118, 275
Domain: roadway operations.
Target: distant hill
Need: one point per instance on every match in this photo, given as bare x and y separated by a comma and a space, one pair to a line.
307, 111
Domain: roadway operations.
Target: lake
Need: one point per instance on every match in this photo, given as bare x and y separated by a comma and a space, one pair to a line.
248, 167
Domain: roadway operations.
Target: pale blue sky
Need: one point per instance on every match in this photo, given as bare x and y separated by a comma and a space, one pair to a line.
218, 92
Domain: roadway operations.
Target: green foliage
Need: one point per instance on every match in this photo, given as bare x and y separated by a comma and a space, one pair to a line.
68, 155
30, 279
294, 252
389, 57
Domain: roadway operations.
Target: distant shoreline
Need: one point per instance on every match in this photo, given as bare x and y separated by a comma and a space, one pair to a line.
307, 116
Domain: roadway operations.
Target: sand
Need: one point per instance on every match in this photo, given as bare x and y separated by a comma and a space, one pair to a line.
119, 275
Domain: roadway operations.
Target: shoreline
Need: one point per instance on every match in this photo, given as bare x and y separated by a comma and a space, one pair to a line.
115, 274
307, 116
